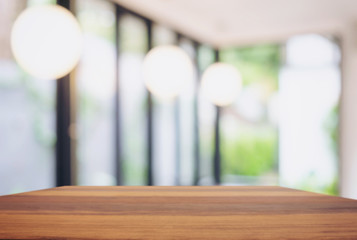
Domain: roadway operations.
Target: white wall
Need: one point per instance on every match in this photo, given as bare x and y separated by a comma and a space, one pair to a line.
348, 114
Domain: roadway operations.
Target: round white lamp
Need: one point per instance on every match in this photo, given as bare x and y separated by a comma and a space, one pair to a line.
221, 84
46, 41
167, 71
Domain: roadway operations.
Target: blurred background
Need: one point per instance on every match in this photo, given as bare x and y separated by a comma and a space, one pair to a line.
292, 124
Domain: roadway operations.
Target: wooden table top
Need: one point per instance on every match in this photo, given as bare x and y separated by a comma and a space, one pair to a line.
176, 213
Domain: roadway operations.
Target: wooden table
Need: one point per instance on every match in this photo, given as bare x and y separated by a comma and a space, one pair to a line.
176, 213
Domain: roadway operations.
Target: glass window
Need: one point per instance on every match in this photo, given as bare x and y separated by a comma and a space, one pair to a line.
249, 133
164, 124
206, 113
185, 117
133, 95
95, 77
310, 86
27, 118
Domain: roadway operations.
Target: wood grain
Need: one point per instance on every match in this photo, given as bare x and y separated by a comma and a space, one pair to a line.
176, 213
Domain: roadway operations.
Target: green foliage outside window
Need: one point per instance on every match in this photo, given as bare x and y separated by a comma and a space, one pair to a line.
258, 64
253, 149
253, 153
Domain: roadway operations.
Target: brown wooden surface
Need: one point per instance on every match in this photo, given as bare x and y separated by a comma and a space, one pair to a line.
176, 213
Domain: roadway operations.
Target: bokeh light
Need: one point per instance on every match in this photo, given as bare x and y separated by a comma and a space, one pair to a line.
46, 41
167, 71
221, 84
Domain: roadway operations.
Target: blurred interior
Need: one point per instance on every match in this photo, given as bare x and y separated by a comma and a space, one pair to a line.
293, 123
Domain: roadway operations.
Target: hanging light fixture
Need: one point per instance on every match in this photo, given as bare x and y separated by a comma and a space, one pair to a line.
167, 71
221, 83
46, 41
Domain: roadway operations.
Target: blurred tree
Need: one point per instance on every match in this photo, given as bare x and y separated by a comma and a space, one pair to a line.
251, 148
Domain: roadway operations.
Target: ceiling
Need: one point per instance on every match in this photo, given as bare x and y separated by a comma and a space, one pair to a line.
223, 23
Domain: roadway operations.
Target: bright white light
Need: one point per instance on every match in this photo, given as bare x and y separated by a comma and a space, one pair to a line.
221, 84
46, 41
311, 51
96, 70
167, 71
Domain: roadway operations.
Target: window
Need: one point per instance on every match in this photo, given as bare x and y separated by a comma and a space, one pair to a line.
95, 78
249, 128
133, 95
27, 119
309, 96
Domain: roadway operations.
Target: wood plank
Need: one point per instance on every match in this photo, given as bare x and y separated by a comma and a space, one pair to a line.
215, 212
